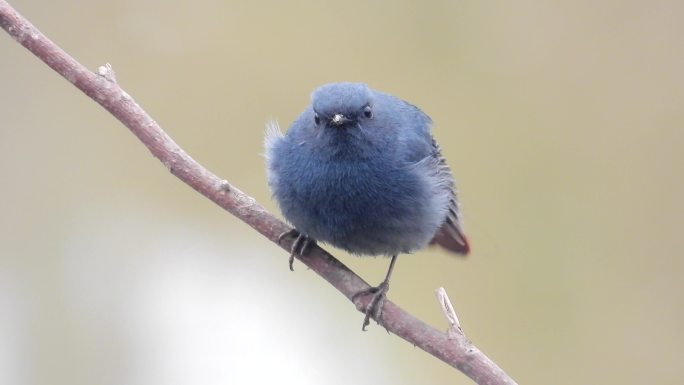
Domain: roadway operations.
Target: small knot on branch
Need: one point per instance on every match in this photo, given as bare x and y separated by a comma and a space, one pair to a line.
107, 72
224, 186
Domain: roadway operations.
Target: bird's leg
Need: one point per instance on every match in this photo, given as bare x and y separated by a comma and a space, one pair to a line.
379, 292
299, 246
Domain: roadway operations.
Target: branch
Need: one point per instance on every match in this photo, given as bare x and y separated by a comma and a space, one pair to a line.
102, 87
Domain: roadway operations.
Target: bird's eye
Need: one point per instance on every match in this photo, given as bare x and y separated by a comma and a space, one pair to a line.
368, 112
317, 119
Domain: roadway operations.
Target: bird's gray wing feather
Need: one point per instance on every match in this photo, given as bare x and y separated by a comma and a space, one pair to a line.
450, 235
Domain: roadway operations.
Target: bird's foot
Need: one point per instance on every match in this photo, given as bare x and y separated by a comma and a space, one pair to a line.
377, 302
299, 246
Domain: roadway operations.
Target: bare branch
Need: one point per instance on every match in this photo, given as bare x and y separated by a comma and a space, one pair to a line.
449, 313
103, 88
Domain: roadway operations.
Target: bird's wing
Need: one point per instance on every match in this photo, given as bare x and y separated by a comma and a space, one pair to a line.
450, 235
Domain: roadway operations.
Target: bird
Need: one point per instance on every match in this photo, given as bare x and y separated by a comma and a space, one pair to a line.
360, 170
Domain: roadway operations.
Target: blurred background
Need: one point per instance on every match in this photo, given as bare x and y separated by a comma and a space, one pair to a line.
563, 123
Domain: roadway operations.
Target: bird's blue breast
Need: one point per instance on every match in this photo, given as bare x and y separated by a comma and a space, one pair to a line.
373, 206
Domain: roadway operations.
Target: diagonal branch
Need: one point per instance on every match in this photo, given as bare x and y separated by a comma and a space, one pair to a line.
102, 87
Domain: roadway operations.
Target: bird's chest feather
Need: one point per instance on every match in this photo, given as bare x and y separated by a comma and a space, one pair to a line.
348, 197
348, 188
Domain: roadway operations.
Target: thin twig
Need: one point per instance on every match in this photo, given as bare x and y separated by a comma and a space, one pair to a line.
103, 88
449, 313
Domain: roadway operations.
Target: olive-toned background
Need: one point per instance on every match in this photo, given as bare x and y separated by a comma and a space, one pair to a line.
563, 122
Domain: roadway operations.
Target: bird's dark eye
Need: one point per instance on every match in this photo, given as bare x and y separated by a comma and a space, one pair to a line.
368, 112
317, 119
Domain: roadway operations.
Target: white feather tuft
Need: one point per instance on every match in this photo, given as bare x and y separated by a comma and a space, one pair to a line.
273, 135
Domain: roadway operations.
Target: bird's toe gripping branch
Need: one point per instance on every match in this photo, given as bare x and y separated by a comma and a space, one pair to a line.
299, 245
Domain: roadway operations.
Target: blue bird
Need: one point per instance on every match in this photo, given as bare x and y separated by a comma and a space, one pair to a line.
360, 170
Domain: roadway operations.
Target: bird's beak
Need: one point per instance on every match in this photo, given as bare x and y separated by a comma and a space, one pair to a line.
339, 119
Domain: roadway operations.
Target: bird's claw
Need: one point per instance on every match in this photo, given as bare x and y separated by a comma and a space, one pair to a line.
376, 304
299, 246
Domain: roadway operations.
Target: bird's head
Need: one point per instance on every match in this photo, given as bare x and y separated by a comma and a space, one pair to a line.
342, 105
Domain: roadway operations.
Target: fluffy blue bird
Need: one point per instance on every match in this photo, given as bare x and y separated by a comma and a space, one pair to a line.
360, 170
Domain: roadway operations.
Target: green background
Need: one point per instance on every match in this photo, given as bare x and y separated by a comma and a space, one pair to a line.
563, 123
